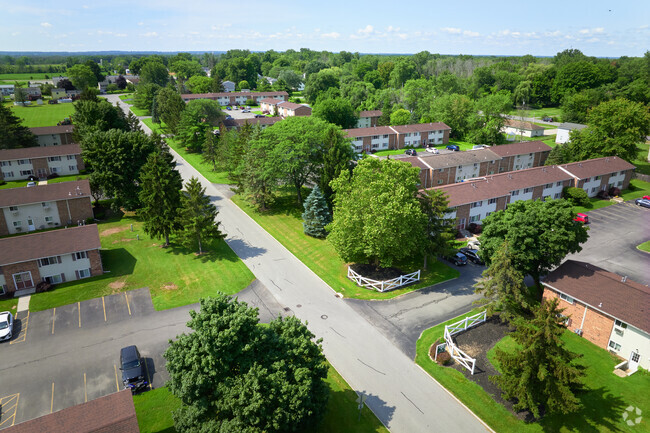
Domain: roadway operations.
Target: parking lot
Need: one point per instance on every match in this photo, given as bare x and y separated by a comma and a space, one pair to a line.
614, 233
237, 114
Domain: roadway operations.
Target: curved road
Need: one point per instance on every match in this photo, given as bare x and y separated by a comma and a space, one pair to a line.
404, 397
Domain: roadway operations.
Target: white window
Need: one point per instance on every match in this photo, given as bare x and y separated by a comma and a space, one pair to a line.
597, 177
620, 183
564, 297
80, 255
70, 157
558, 183
5, 163
54, 158
513, 193
548, 185
614, 345
593, 190
621, 173
54, 279
487, 214
620, 324
476, 204
475, 218
7, 174
49, 261
375, 145
26, 172
54, 169
13, 208
528, 190
375, 137
587, 179
23, 161
385, 135
492, 201
49, 219
557, 195
83, 273
439, 181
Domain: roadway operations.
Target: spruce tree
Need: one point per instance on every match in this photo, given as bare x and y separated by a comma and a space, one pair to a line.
316, 215
160, 195
13, 134
197, 217
155, 112
210, 154
540, 374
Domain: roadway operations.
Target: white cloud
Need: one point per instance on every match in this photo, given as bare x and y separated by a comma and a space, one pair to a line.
451, 30
85, 7
471, 33
140, 23
150, 35
584, 31
46, 25
556, 33
332, 35
595, 31
367, 30
120, 35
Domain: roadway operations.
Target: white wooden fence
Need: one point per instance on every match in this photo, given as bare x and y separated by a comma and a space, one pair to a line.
450, 330
383, 286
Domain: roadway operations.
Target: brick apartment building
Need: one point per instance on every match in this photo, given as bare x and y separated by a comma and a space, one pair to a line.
283, 108
19, 164
368, 119
53, 135
236, 98
398, 137
600, 174
610, 310
525, 154
45, 206
55, 256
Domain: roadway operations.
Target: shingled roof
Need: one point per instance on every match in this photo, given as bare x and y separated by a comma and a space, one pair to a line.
370, 113
520, 148
612, 294
48, 130
452, 159
39, 152
527, 126
598, 166
43, 193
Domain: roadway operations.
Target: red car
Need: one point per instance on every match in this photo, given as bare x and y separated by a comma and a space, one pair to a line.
581, 217
647, 197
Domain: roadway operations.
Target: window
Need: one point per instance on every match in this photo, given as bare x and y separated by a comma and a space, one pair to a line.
439, 181
54, 169
80, 255
597, 177
620, 183
557, 195
45, 204
620, 324
513, 193
23, 161
54, 279
558, 183
54, 158
13, 208
492, 201
566, 298
72, 168
375, 137
614, 345
587, 179
23, 280
621, 173
548, 185
487, 214
71, 157
375, 145
477, 204
7, 174
83, 273
49, 219
475, 218
18, 223
475, 165
26, 172
5, 164
528, 190
49, 261
385, 135
593, 190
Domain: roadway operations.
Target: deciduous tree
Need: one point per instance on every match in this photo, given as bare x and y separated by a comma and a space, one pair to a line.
439, 231
154, 72
12, 133
400, 117
338, 111
82, 76
199, 116
197, 217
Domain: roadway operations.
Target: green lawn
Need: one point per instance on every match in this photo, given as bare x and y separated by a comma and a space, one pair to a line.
14, 184
68, 178
154, 408
605, 398
43, 115
554, 112
641, 162
9, 305
128, 96
176, 276
28, 76
138, 111
284, 223
637, 189
644, 246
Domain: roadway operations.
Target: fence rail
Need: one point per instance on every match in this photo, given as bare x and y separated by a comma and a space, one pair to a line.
386, 285
450, 330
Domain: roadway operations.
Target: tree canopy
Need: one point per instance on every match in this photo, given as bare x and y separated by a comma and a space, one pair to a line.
197, 217
13, 134
338, 111
199, 116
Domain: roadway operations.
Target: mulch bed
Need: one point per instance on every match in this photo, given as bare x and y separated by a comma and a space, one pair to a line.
476, 342
376, 273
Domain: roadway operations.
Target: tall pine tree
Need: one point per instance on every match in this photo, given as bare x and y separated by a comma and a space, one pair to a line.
316, 215
160, 195
210, 153
540, 374
197, 217
13, 134
337, 155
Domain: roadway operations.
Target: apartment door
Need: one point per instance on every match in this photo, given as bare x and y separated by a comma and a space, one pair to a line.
633, 363
30, 225
41, 173
23, 280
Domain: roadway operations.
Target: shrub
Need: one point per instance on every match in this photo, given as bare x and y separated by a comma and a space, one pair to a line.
52, 175
444, 358
43, 286
2, 182
90, 220
475, 228
614, 191
577, 196
251, 102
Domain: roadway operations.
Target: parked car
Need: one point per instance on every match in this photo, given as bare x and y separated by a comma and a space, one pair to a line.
411, 152
474, 244
228, 117
457, 259
31, 184
259, 115
472, 256
52, 101
642, 202
453, 147
229, 108
246, 110
132, 367
432, 150
547, 119
6, 325
582, 218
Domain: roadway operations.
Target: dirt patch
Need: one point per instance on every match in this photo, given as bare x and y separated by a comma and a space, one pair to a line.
376, 273
476, 342
117, 285
169, 286
112, 231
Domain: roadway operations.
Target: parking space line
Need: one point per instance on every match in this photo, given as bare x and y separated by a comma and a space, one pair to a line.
52, 401
53, 318
5, 401
85, 390
117, 383
104, 306
22, 335
127, 303
79, 310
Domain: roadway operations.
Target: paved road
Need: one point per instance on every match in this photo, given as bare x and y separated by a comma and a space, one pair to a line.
404, 397
532, 119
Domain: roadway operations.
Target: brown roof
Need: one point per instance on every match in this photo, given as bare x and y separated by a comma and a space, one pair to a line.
452, 159
292, 105
39, 152
605, 291
366, 132
229, 94
527, 126
41, 193
114, 413
22, 248
520, 148
48, 130
420, 127
270, 101
598, 167
370, 113
500, 185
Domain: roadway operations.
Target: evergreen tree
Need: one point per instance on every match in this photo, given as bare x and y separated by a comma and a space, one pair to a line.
197, 217
316, 215
160, 195
336, 158
503, 287
210, 153
540, 373
155, 115
13, 134
439, 232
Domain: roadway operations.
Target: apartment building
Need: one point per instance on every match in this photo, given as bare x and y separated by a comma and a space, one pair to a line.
368, 119
524, 154
512, 128
262, 122
236, 98
54, 256
600, 174
45, 206
53, 135
607, 309
375, 138
397, 137
19, 164
283, 108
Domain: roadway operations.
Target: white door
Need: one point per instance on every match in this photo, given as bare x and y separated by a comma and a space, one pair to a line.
30, 225
633, 363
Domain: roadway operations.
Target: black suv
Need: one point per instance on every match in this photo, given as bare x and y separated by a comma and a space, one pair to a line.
457, 259
411, 152
132, 366
472, 255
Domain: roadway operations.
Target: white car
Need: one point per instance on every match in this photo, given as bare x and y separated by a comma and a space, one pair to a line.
432, 150
6, 325
31, 184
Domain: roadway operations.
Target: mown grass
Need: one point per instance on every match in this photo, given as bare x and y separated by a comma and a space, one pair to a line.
154, 410
637, 189
138, 111
42, 115
175, 275
641, 162
14, 184
463, 145
26, 76
68, 178
9, 304
605, 397
284, 223
644, 246
554, 112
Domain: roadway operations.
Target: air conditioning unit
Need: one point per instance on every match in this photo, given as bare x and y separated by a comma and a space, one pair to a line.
46, 207
15, 213
578, 331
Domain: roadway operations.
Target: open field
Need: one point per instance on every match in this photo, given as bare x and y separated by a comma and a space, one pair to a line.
554, 112
641, 162
175, 275
26, 76
43, 115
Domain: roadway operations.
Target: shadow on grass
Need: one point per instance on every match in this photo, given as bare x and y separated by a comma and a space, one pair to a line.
215, 251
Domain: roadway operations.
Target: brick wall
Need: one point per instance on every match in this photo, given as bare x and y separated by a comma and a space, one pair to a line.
462, 211
501, 203
9, 270
3, 224
80, 163
80, 209
540, 158
445, 136
96, 267
40, 164
628, 176
596, 327
505, 164
64, 216
537, 192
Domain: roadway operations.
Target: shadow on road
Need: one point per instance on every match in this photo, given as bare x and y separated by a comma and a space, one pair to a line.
245, 250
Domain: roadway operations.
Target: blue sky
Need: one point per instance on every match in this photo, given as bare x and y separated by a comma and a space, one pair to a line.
597, 28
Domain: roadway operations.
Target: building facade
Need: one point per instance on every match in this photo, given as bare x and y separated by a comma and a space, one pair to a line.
19, 164
368, 119
397, 137
236, 98
53, 135
565, 129
600, 174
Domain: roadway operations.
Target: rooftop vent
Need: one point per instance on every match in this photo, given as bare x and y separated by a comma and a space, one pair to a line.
624, 279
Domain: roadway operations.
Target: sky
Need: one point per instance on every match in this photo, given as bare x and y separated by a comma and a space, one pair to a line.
541, 28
